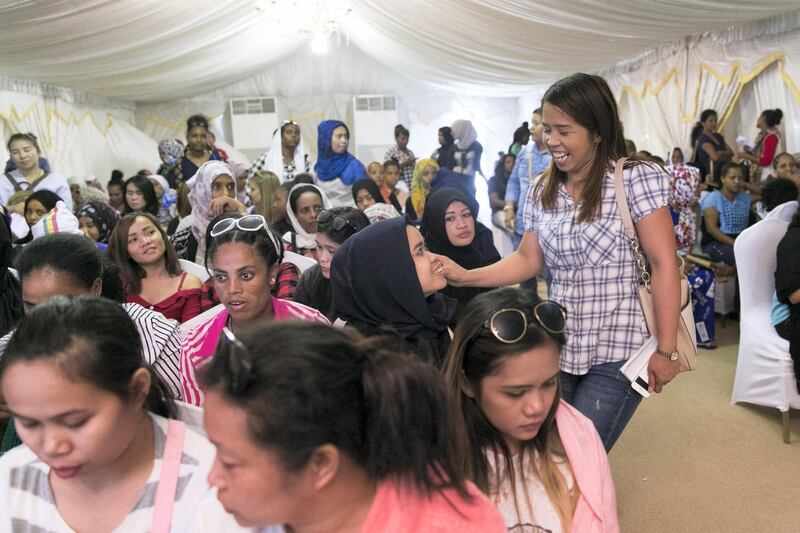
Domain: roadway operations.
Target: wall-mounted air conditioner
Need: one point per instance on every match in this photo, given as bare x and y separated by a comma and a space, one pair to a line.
374, 119
252, 123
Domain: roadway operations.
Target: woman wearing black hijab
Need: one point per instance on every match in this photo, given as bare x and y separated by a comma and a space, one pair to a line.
445, 155
10, 289
366, 193
451, 228
384, 280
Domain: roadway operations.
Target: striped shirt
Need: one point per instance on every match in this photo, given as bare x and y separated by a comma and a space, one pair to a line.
201, 342
594, 272
161, 344
28, 505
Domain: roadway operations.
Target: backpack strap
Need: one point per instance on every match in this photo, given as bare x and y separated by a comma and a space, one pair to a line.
15, 183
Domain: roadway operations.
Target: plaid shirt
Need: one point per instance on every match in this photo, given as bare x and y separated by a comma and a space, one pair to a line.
594, 272
407, 173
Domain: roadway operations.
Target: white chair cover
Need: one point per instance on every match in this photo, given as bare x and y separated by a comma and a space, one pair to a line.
194, 268
764, 374
784, 212
302, 262
192, 323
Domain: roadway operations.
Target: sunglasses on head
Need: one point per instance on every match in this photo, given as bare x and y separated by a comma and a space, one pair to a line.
245, 223
509, 325
337, 222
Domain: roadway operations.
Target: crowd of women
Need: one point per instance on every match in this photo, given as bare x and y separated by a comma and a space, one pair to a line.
293, 347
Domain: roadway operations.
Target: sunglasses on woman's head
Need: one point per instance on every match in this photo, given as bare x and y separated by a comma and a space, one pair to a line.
509, 325
245, 223
325, 217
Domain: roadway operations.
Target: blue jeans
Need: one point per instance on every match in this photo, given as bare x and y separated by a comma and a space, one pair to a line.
720, 252
604, 396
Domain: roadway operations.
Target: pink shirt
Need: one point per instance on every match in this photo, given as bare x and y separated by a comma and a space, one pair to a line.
400, 509
596, 510
200, 343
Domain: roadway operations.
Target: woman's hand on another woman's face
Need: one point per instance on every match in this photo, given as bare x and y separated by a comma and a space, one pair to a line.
455, 274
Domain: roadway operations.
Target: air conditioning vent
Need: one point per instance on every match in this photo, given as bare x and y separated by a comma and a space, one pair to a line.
375, 103
252, 122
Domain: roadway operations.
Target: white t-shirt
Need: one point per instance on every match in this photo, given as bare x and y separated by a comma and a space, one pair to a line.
543, 514
27, 503
52, 182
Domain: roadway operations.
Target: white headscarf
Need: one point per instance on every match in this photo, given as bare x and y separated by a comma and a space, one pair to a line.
464, 133
274, 160
302, 238
200, 199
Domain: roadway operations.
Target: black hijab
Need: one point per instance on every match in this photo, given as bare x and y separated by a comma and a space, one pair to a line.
374, 284
371, 187
10, 289
475, 255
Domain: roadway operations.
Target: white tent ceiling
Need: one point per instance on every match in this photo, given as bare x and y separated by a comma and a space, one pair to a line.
157, 50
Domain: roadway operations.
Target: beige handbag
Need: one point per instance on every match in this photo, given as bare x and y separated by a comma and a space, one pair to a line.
687, 341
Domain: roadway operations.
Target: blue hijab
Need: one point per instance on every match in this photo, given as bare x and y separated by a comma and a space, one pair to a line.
330, 165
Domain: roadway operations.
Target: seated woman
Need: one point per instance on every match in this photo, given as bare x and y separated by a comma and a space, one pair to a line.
536, 456
339, 441
37, 205
262, 190
150, 270
67, 264
27, 172
450, 228
726, 213
393, 182
116, 192
424, 171
140, 196
333, 228
97, 443
785, 166
497, 190
304, 203
786, 301
212, 191
336, 169
366, 194
384, 280
165, 198
97, 221
777, 192
244, 257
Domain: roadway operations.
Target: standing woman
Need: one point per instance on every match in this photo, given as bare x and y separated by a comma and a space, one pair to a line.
424, 172
709, 146
573, 225
140, 196
314, 436
445, 154
451, 228
244, 257
150, 270
29, 176
468, 155
384, 281
536, 456
337, 170
288, 155
333, 228
767, 143
402, 154
196, 153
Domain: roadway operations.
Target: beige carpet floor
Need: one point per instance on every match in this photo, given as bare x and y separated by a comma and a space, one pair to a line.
690, 461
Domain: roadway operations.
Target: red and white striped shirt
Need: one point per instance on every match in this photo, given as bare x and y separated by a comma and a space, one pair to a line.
200, 343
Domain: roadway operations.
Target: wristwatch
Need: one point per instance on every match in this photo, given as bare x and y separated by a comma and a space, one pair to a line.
672, 356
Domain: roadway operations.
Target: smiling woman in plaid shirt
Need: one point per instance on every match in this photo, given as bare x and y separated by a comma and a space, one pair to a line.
572, 225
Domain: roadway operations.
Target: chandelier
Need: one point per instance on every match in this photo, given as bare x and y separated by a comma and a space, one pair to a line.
317, 19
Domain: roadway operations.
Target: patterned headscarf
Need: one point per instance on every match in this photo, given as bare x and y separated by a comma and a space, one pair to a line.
104, 217
200, 199
171, 148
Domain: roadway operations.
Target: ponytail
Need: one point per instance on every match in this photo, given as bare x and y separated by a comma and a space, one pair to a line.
385, 410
